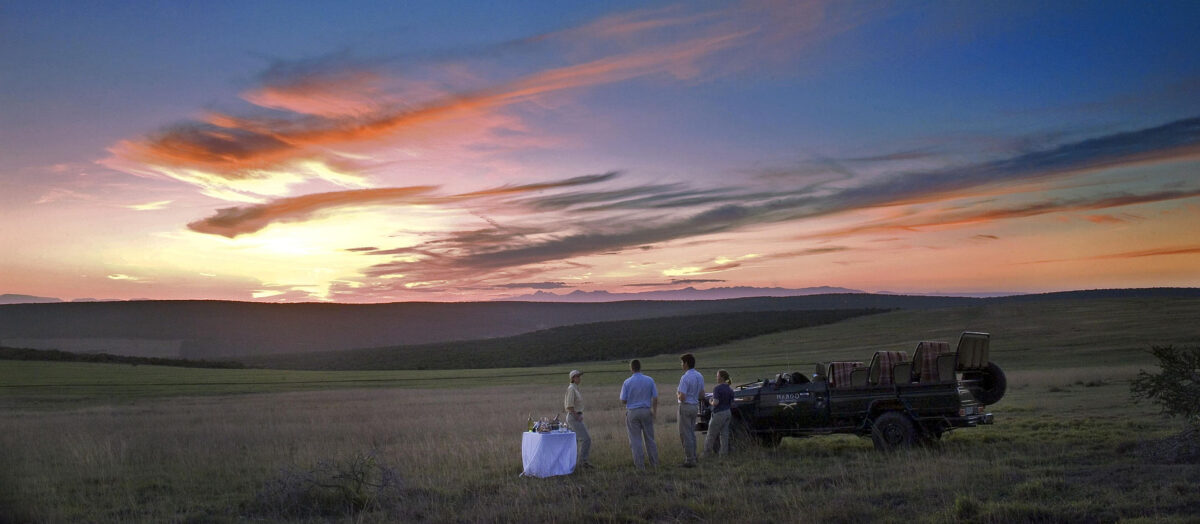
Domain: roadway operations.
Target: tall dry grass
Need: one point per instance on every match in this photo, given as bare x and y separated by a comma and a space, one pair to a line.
1062, 456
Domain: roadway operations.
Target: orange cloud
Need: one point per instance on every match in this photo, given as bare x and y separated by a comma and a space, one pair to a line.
1162, 251
337, 105
1178, 250
329, 94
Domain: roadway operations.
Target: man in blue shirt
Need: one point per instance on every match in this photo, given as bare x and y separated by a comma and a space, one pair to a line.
639, 394
689, 393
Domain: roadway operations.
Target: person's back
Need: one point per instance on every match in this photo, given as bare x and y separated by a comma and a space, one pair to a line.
639, 393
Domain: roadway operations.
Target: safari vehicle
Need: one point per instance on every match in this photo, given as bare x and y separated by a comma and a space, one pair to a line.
896, 401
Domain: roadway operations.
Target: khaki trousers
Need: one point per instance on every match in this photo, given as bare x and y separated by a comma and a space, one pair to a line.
687, 431
640, 423
718, 433
581, 435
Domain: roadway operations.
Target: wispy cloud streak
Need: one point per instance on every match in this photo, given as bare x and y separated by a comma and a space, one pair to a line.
233, 221
733, 210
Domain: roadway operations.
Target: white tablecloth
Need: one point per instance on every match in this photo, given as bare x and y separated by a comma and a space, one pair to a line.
548, 454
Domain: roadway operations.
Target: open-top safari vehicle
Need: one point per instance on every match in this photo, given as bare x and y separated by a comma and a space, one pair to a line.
896, 401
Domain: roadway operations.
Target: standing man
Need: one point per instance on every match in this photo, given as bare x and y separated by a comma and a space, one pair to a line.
573, 403
639, 394
689, 393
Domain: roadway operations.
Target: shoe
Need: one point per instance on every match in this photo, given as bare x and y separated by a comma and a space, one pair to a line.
586, 465
689, 464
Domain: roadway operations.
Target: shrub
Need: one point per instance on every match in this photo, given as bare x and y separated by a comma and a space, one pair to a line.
349, 487
966, 507
1176, 388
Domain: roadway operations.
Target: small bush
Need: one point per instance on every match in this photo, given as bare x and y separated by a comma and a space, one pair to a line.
1176, 388
350, 487
966, 507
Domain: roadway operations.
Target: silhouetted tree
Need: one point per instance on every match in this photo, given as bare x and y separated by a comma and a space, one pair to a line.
1176, 388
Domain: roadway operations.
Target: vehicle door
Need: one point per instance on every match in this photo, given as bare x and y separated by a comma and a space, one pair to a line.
801, 405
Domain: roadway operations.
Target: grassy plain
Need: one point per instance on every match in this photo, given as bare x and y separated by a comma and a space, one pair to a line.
156, 444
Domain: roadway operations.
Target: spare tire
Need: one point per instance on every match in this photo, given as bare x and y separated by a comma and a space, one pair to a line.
991, 384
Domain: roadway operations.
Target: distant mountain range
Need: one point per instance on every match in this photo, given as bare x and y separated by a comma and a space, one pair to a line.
9, 298
687, 293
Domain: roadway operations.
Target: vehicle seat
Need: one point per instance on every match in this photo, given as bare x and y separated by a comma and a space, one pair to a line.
819, 372
902, 373
946, 362
882, 365
839, 373
858, 377
925, 360
972, 351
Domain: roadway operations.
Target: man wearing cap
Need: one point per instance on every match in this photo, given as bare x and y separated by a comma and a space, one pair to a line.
639, 394
573, 403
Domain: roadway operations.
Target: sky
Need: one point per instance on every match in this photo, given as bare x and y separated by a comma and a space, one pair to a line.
385, 151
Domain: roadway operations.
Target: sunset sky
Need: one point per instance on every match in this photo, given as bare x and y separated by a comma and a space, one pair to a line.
387, 151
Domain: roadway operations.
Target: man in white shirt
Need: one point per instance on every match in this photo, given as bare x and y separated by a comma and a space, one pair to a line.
573, 403
689, 394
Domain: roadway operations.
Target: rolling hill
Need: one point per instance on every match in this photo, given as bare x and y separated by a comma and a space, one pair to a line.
211, 330
593, 341
217, 329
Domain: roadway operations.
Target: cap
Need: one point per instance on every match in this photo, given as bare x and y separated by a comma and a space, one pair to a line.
575, 373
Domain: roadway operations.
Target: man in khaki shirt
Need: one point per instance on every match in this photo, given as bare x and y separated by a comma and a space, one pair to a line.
573, 403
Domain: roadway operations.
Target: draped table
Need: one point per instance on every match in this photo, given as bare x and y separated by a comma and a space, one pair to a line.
548, 454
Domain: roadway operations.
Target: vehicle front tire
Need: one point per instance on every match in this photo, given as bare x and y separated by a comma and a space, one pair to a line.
893, 430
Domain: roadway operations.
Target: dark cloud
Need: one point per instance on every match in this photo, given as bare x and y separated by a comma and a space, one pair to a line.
735, 210
915, 154
983, 215
1172, 139
233, 221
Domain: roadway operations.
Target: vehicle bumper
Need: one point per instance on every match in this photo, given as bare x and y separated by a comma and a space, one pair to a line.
979, 419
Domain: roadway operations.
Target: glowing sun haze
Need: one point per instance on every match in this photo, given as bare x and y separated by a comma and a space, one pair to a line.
384, 151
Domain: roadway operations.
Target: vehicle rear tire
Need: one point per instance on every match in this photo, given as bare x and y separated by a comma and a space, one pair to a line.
893, 430
991, 386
